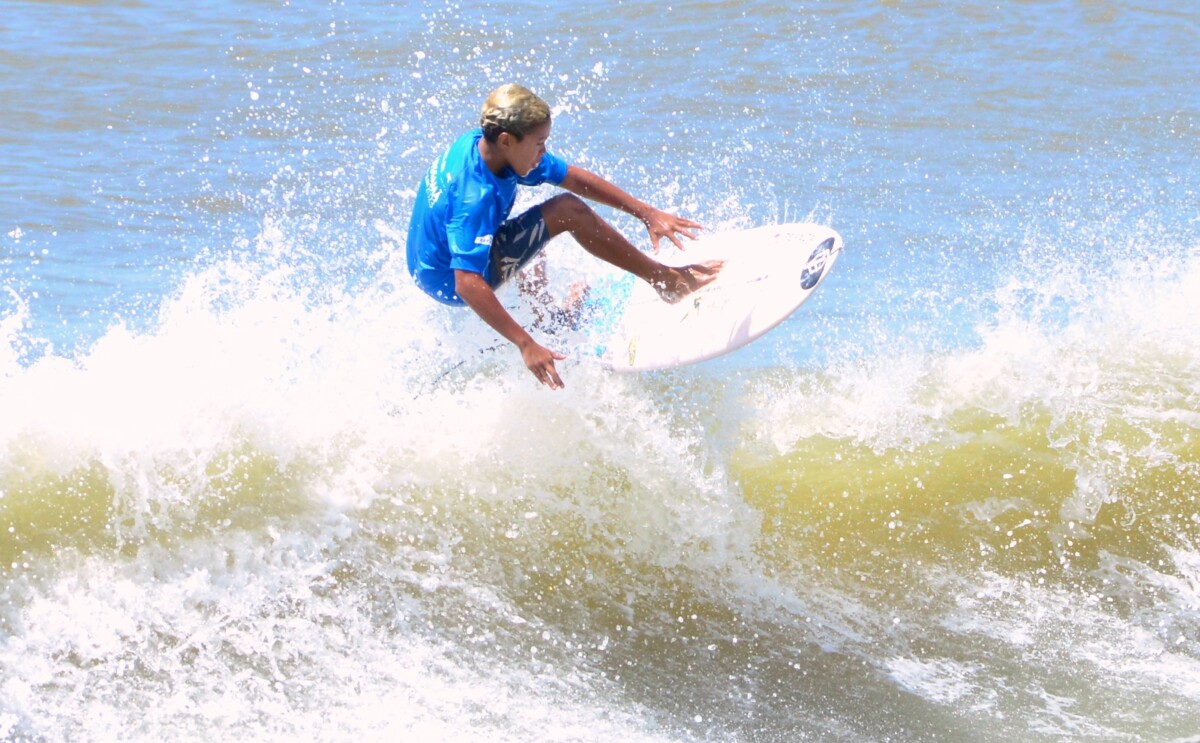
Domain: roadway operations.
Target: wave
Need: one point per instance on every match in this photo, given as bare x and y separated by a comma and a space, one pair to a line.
268, 512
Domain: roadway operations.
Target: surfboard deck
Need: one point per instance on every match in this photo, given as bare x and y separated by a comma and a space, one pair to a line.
769, 272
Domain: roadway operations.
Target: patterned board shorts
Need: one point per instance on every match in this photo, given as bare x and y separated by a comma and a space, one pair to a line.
516, 243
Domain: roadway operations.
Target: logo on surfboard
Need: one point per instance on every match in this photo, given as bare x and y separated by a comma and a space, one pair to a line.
815, 266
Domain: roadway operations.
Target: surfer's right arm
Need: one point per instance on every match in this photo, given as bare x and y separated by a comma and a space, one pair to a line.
481, 298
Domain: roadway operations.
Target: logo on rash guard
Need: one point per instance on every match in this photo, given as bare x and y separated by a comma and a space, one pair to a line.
432, 189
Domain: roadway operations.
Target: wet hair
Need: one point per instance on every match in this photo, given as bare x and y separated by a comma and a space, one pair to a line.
514, 109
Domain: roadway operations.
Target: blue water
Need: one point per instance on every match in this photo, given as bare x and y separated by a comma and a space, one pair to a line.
253, 484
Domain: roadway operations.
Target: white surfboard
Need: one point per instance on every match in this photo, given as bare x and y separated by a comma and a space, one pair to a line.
769, 272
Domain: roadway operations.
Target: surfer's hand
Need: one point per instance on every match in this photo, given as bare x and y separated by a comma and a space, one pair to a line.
660, 224
540, 361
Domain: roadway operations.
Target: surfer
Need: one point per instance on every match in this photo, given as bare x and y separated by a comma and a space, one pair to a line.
462, 244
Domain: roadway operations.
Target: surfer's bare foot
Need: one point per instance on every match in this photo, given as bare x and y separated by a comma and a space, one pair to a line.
678, 282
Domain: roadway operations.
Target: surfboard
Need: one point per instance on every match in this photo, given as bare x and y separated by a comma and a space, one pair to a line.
769, 272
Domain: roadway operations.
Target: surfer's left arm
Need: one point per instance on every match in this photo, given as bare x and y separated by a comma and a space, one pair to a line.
658, 223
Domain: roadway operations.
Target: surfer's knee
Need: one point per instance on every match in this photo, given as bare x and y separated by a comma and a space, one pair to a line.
566, 212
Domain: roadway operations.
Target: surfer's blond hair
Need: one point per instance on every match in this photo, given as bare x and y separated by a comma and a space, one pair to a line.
514, 109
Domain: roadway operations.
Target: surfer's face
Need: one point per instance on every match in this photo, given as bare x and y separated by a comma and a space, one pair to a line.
523, 155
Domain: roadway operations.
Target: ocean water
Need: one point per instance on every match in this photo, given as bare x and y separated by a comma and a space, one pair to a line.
255, 486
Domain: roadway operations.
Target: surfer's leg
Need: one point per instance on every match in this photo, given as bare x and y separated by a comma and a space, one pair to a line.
533, 284
531, 280
569, 213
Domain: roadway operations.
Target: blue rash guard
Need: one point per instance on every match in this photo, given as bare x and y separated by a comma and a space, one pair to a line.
459, 208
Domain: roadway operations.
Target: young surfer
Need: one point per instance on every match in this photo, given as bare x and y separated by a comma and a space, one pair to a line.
462, 245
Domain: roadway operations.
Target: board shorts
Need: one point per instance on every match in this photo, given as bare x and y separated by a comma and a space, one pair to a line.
517, 242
